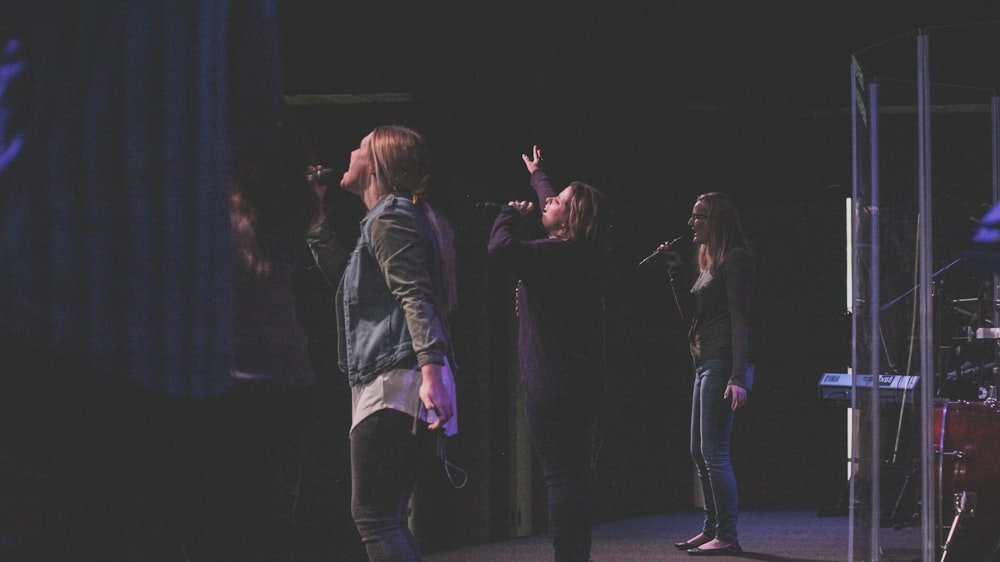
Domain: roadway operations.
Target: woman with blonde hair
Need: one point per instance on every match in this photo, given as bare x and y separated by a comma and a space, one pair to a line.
394, 340
718, 338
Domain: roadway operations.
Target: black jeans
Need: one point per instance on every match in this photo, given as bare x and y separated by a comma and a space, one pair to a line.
386, 458
562, 432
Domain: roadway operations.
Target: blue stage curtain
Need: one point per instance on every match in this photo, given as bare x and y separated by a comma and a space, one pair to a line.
114, 223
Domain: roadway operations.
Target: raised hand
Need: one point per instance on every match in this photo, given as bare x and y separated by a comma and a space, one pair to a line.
535, 161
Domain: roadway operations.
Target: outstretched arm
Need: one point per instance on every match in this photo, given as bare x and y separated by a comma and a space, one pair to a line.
539, 181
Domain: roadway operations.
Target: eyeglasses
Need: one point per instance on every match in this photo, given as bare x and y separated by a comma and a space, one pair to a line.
697, 216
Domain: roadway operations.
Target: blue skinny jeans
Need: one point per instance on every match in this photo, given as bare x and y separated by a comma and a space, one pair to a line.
711, 428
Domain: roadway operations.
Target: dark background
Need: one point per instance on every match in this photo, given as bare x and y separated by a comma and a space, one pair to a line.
653, 103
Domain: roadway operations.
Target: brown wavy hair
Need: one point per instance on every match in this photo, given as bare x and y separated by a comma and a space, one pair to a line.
587, 221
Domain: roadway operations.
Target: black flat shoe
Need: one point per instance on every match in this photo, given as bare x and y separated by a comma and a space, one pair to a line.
693, 544
734, 548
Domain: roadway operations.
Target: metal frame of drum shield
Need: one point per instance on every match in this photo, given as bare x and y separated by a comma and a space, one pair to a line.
865, 509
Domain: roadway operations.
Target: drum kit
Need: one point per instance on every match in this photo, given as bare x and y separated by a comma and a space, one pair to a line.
967, 429
967, 458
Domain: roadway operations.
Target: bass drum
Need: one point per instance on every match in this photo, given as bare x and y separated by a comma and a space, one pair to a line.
967, 459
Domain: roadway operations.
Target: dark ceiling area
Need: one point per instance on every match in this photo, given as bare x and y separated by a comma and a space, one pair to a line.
747, 54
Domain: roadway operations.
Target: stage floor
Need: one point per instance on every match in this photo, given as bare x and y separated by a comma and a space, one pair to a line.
800, 536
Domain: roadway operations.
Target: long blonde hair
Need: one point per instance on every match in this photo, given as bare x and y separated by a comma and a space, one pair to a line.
402, 166
725, 231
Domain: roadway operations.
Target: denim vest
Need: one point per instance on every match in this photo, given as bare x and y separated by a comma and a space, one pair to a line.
373, 331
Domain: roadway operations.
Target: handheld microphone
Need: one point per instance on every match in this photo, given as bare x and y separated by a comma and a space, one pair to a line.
653, 256
325, 177
489, 205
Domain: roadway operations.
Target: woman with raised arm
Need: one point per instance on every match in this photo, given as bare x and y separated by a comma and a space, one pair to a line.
560, 309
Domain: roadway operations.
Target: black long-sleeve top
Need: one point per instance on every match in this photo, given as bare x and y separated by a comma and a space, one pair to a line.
720, 324
559, 304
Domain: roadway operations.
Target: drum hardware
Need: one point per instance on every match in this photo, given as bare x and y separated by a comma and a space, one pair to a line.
987, 333
899, 518
965, 505
967, 461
